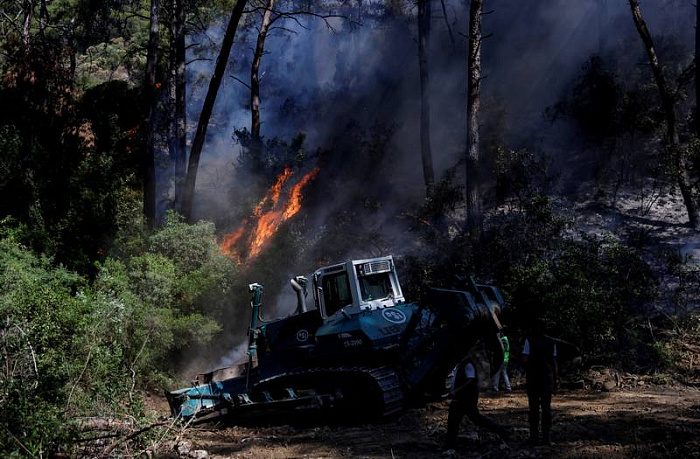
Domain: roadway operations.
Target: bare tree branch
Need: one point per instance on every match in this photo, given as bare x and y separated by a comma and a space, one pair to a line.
18, 442
285, 29
197, 59
135, 434
241, 82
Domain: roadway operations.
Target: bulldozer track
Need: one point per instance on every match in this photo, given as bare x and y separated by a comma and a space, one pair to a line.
383, 382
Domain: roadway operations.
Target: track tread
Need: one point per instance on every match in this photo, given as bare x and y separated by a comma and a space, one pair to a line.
386, 379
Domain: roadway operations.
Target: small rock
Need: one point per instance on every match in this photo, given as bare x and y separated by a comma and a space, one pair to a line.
184, 448
609, 385
199, 454
640, 382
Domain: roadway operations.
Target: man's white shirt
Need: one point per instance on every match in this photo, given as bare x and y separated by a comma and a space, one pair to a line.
526, 348
469, 372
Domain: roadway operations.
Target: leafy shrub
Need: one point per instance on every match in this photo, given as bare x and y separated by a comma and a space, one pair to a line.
175, 290
71, 348
588, 292
58, 353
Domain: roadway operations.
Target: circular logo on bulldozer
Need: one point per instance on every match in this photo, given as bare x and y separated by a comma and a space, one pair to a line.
302, 335
395, 316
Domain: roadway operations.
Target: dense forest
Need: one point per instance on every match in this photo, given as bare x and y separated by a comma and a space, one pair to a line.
156, 157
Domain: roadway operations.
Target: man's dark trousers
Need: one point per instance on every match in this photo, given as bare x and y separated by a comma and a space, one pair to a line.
540, 396
467, 403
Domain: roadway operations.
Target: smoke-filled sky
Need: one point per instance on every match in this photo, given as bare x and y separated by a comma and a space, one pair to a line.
316, 80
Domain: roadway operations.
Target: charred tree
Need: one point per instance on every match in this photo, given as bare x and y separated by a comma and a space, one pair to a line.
679, 160
254, 72
208, 106
423, 37
474, 205
149, 171
178, 56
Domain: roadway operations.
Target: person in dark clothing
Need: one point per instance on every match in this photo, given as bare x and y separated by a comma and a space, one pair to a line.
464, 391
540, 361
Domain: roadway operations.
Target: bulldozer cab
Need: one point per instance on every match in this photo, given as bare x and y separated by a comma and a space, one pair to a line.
355, 286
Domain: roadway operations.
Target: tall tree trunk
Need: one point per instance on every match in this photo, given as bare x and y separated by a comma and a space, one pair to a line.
474, 206
423, 37
208, 106
254, 72
27, 26
149, 171
179, 64
667, 105
73, 50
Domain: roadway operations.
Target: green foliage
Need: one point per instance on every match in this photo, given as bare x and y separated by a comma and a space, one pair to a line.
70, 347
175, 285
587, 291
191, 245
595, 101
269, 156
69, 165
604, 106
56, 347
520, 174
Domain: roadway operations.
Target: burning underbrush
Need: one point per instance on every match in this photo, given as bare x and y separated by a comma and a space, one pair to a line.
250, 237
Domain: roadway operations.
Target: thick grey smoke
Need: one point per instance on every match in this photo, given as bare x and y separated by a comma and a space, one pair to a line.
316, 80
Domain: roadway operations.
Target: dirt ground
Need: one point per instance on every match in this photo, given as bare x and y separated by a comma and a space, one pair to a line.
641, 422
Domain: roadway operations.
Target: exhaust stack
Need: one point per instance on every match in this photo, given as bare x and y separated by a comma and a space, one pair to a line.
299, 285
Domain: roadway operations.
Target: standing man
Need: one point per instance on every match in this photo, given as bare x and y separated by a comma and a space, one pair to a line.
464, 391
540, 361
504, 368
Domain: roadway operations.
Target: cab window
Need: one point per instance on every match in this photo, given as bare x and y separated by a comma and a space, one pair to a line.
375, 287
336, 292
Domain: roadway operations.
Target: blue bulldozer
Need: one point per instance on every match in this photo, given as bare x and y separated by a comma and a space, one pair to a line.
361, 349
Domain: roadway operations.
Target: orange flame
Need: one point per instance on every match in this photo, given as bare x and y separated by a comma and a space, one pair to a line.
273, 194
231, 239
267, 226
269, 221
295, 197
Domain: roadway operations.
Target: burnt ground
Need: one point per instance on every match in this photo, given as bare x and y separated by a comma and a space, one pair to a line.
640, 422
